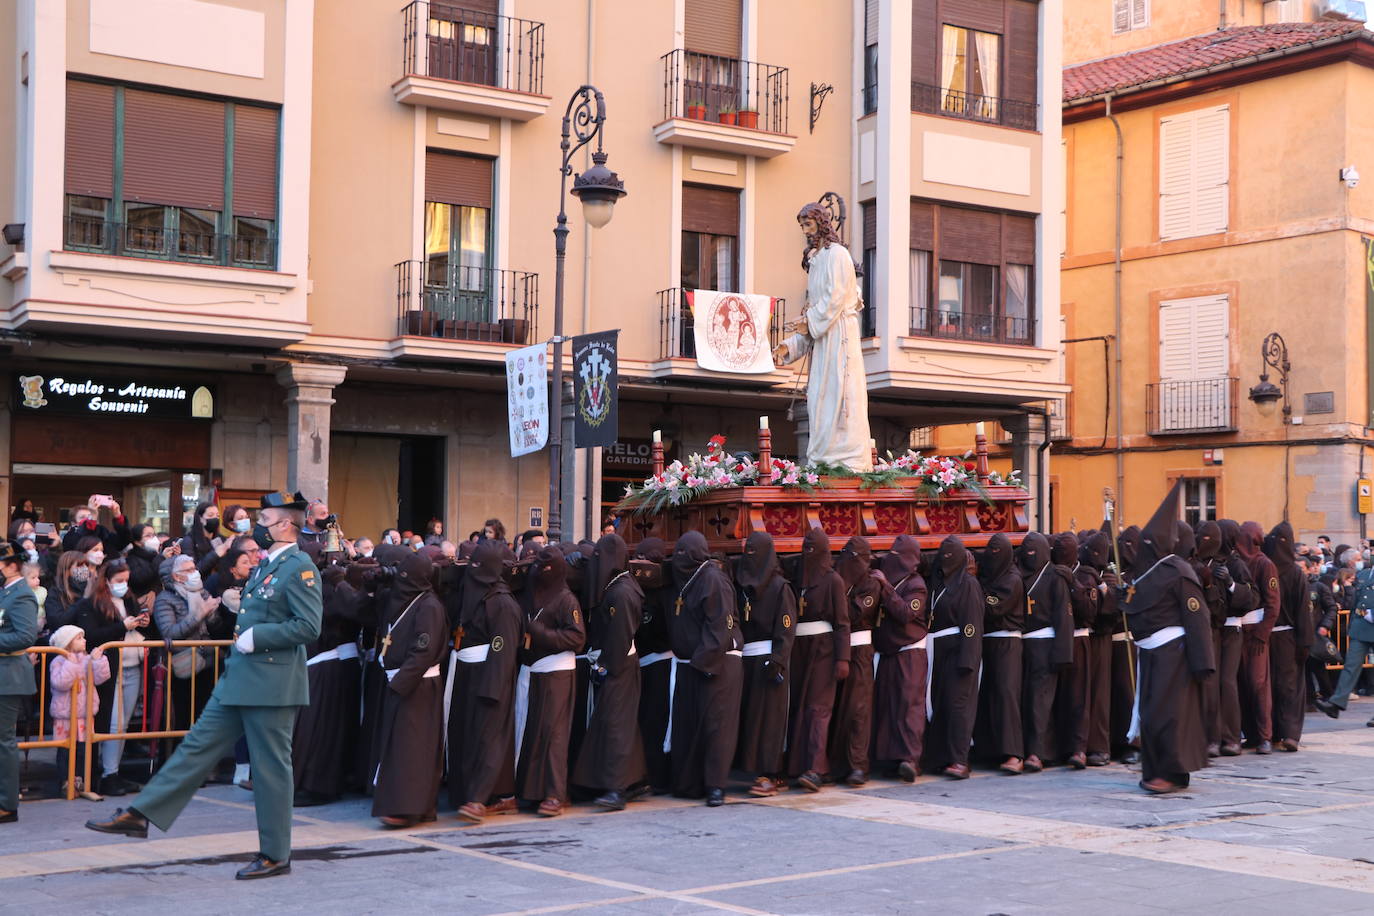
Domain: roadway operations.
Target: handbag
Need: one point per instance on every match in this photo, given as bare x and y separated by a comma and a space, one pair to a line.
187, 662
1325, 651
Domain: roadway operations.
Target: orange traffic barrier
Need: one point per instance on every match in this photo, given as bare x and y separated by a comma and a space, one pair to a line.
1341, 637
44, 655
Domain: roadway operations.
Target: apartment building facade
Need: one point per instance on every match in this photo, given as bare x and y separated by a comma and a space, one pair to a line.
266, 243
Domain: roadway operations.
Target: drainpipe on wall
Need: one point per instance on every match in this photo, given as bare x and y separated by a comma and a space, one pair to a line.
1222, 23
1116, 308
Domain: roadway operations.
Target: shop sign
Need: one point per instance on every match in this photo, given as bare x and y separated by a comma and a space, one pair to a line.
108, 396
635, 456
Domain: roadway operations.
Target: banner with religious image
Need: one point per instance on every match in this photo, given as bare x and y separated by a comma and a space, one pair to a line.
527, 396
732, 331
596, 385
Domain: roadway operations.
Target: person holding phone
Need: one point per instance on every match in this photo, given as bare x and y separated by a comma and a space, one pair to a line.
86, 524
111, 613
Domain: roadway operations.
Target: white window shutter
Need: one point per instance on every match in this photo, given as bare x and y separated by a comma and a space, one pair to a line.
1176, 177
1194, 361
1121, 15
1175, 340
1211, 170
1140, 13
1211, 347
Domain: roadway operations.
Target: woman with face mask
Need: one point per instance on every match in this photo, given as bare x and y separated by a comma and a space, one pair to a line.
184, 610
70, 582
110, 613
236, 520
199, 542
145, 556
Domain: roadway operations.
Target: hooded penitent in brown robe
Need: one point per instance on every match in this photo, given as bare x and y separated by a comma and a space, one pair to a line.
1257, 698
768, 612
655, 651
1072, 696
546, 683
1172, 630
899, 686
612, 755
411, 738
706, 640
1094, 553
1290, 640
1231, 597
957, 632
1046, 646
820, 655
851, 727
998, 733
1123, 654
481, 725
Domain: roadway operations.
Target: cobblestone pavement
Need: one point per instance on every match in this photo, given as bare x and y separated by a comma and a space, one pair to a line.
1281, 834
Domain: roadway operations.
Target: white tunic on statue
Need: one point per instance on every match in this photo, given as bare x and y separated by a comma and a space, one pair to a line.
836, 390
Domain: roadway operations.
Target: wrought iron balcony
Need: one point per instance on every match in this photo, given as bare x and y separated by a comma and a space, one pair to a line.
466, 303
979, 327
739, 93
444, 41
989, 109
677, 327
158, 243
1191, 406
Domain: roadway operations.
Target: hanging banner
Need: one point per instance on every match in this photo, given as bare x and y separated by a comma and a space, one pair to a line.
527, 391
732, 331
596, 384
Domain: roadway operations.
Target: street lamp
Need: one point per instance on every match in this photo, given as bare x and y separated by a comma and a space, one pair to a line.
1274, 353
598, 188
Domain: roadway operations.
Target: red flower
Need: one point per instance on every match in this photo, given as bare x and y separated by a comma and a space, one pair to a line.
970, 466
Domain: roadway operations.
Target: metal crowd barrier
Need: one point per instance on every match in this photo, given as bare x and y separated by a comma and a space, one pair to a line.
1342, 640
45, 654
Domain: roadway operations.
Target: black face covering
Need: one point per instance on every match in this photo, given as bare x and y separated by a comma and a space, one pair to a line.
1209, 540
1033, 554
902, 560
856, 559
996, 558
610, 558
1129, 544
415, 575
760, 561
548, 575
1185, 542
1278, 546
655, 550
691, 551
1064, 549
816, 560
1095, 550
953, 558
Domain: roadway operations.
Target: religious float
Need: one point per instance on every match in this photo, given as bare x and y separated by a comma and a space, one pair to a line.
727, 496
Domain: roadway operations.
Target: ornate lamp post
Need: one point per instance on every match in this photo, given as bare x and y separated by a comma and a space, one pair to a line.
598, 188
1274, 353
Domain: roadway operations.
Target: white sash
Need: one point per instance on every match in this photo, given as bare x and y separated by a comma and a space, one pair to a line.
1233, 621
431, 671
735, 652
1042, 633
814, 627
1280, 628
1004, 634
1118, 637
1153, 641
473, 654
1082, 631
559, 661
346, 651
672, 693
861, 637
1254, 616
758, 647
930, 661
654, 658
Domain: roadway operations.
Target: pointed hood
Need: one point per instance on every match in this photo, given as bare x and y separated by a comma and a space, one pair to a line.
1128, 542
816, 562
759, 562
856, 559
688, 555
1095, 550
1185, 542
1208, 536
610, 558
1278, 546
1033, 554
1158, 536
902, 561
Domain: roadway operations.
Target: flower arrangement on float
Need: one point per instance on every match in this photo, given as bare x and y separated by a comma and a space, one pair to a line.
681, 482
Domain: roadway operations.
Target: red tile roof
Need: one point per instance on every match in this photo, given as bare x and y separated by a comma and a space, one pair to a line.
1135, 68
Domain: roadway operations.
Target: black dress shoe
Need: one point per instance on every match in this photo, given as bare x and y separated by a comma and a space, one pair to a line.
1230, 750
263, 867
307, 799
115, 785
1326, 706
1264, 747
856, 778
635, 793
1098, 759
127, 823
1214, 750
715, 798
611, 801
907, 771
8, 817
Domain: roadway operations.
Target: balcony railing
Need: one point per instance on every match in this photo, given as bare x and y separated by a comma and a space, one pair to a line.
444, 41
467, 303
677, 328
980, 327
711, 88
987, 108
92, 234
1191, 406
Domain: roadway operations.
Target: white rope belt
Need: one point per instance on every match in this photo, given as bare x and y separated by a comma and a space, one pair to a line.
1004, 634
474, 653
1280, 628
861, 637
1042, 633
918, 644
431, 671
1159, 638
559, 661
1254, 616
814, 627
654, 658
1082, 631
1233, 621
758, 647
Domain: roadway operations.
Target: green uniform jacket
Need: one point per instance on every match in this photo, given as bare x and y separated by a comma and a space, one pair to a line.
18, 630
282, 604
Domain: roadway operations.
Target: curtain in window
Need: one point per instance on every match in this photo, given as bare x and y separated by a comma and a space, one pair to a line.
985, 77
952, 67
920, 290
1017, 308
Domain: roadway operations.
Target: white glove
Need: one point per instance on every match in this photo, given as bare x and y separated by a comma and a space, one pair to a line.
245, 642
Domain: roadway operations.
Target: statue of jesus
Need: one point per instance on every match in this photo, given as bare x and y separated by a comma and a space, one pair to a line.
836, 387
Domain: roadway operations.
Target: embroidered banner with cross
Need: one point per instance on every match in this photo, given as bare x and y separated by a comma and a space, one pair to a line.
595, 390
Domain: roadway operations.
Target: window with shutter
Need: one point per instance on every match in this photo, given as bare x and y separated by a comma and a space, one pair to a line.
1194, 173
1194, 360
1129, 15
713, 27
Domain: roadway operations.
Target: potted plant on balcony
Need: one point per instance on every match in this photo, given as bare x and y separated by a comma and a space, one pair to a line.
727, 115
747, 117
696, 109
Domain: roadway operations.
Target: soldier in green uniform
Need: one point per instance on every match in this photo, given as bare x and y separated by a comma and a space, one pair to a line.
18, 629
263, 683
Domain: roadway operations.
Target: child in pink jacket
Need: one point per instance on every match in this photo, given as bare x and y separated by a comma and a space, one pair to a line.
67, 681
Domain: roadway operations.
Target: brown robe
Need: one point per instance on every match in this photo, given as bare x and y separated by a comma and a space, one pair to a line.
899, 685
1288, 648
1257, 698
655, 672
1047, 606
997, 733
769, 615
820, 598
851, 727
957, 605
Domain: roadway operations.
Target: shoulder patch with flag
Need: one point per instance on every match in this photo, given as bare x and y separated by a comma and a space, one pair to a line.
308, 577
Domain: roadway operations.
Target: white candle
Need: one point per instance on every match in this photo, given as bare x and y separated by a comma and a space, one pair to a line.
981, 428
872, 443
763, 422
658, 435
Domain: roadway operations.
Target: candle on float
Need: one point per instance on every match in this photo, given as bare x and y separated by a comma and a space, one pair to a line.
872, 443
763, 422
658, 435
981, 428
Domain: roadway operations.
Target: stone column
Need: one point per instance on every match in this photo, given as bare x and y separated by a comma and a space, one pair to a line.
309, 395
1028, 432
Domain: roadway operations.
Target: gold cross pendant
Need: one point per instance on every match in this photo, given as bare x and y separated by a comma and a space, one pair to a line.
801, 609
1130, 592
747, 607
386, 643
677, 610
1030, 605
527, 640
